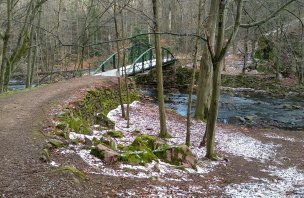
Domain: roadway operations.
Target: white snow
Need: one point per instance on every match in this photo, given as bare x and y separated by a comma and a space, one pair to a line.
237, 144
245, 146
289, 184
129, 69
275, 136
54, 164
144, 118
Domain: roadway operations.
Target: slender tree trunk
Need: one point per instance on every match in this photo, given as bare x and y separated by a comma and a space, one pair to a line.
34, 60
253, 46
216, 82
125, 70
6, 38
123, 114
29, 59
160, 88
245, 63
302, 63
189, 110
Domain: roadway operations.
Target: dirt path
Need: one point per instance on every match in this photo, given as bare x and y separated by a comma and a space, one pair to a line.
22, 114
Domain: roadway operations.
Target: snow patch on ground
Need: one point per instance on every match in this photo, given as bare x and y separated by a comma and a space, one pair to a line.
169, 191
244, 146
275, 136
54, 164
290, 183
144, 118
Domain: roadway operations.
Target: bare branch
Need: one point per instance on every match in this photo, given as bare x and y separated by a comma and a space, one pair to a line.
235, 28
271, 16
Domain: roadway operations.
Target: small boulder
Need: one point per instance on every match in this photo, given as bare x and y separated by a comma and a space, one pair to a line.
107, 154
103, 120
180, 155
88, 142
109, 142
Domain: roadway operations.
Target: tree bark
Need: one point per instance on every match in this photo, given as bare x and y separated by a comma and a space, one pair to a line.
6, 37
189, 110
160, 89
29, 59
205, 77
217, 58
123, 114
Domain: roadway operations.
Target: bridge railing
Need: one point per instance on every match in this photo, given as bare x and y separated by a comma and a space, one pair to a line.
112, 61
147, 60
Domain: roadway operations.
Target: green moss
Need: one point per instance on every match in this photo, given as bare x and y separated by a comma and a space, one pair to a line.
114, 134
120, 147
56, 143
96, 153
138, 157
71, 170
92, 109
75, 141
143, 149
136, 133
61, 133
96, 141
75, 121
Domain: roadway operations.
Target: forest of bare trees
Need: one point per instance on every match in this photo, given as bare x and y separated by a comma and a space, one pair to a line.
41, 36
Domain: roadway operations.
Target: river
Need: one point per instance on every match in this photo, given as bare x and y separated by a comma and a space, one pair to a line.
254, 110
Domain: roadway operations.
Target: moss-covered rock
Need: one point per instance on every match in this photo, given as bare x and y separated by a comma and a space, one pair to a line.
103, 152
56, 143
146, 148
141, 151
179, 155
75, 122
71, 170
114, 134
96, 141
103, 120
109, 142
93, 109
120, 147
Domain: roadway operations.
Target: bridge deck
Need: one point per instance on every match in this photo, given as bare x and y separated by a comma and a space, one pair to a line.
139, 68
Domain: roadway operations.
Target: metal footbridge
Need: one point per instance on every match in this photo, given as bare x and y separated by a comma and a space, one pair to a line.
140, 64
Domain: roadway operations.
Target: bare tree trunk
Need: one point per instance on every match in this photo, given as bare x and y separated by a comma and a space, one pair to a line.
125, 70
253, 47
29, 59
216, 81
205, 77
6, 38
245, 63
160, 88
217, 58
34, 60
123, 114
189, 110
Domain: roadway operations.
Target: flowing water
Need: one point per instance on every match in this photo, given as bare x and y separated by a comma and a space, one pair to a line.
16, 85
250, 110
